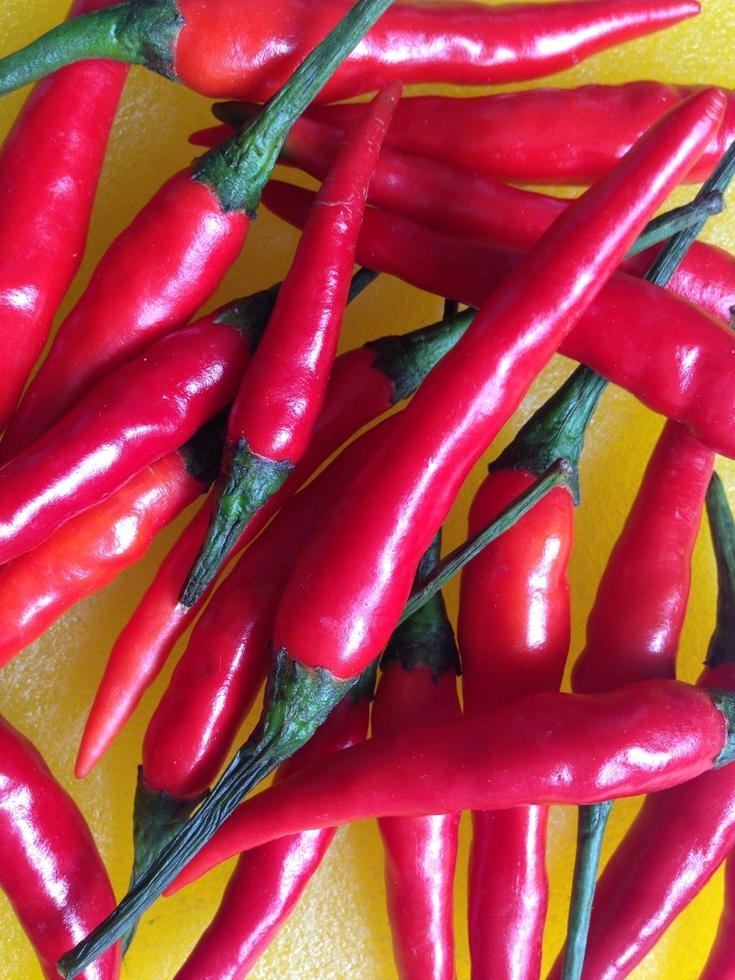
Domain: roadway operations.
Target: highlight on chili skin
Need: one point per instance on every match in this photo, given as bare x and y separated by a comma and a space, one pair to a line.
428, 522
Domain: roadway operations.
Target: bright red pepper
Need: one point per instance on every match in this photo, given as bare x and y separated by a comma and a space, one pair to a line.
364, 384
679, 837
327, 634
237, 49
419, 685
90, 551
669, 354
50, 869
50, 164
719, 965
546, 136
272, 419
190, 234
142, 412
544, 749
269, 881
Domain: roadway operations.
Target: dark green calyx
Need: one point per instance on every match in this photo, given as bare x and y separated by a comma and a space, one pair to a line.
252, 481
140, 32
251, 315
203, 452
364, 689
298, 700
406, 359
722, 529
558, 429
590, 833
427, 638
240, 167
157, 818
724, 701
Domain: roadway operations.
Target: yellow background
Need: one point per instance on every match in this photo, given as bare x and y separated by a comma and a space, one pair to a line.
339, 929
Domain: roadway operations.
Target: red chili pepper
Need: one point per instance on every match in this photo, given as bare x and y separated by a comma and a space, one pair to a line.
719, 965
271, 422
90, 551
268, 881
218, 48
544, 748
325, 635
50, 164
190, 234
546, 136
468, 204
419, 685
680, 837
50, 869
139, 414
680, 370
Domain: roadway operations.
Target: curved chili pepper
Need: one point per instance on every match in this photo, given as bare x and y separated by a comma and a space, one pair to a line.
544, 749
546, 136
466, 203
50, 164
220, 49
190, 232
90, 551
680, 837
419, 685
268, 881
140, 413
681, 370
50, 868
273, 416
326, 635
719, 965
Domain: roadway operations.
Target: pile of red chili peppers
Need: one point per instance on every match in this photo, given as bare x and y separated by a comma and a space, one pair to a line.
326, 507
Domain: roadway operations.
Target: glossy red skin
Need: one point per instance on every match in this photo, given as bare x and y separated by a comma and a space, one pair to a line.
269, 881
154, 276
542, 749
216, 680
50, 165
719, 965
88, 552
469, 203
683, 370
144, 411
420, 852
281, 397
513, 632
546, 136
676, 843
357, 393
50, 868
360, 565
634, 627
222, 54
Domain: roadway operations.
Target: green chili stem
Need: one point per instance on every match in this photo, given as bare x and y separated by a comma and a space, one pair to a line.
591, 830
696, 212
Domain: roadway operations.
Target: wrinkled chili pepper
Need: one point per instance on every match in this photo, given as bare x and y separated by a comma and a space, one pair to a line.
90, 551
546, 136
50, 164
218, 48
543, 749
50, 868
719, 965
268, 881
139, 414
272, 419
403, 492
682, 370
679, 837
190, 233
418, 685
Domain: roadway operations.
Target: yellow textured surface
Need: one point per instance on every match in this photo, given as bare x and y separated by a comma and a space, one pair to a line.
339, 929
